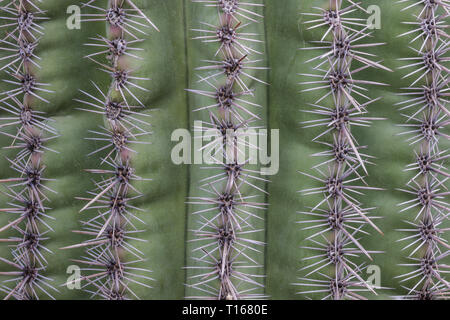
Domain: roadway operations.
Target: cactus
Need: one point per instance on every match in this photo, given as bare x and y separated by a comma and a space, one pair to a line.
227, 214
110, 262
171, 58
339, 218
27, 191
426, 115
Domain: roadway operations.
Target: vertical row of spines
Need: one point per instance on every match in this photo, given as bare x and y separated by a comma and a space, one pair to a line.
108, 266
426, 115
340, 217
29, 131
225, 267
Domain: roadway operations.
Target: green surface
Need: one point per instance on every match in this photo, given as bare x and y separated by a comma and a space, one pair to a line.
170, 59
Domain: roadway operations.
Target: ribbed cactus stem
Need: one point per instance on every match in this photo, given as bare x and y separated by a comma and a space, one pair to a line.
110, 258
428, 121
224, 236
339, 215
26, 191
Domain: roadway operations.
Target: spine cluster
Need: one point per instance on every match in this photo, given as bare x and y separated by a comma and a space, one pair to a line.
225, 266
338, 220
426, 115
29, 131
109, 263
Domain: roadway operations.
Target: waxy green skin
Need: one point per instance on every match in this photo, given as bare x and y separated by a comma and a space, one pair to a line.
169, 60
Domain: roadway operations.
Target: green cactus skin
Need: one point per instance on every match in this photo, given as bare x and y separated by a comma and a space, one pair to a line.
27, 191
170, 60
226, 246
426, 111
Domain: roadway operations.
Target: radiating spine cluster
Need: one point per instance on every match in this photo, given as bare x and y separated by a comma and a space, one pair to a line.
426, 115
339, 218
29, 131
109, 263
225, 267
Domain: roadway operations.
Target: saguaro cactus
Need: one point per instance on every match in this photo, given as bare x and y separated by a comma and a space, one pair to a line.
213, 245
26, 191
223, 244
339, 217
427, 116
109, 271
